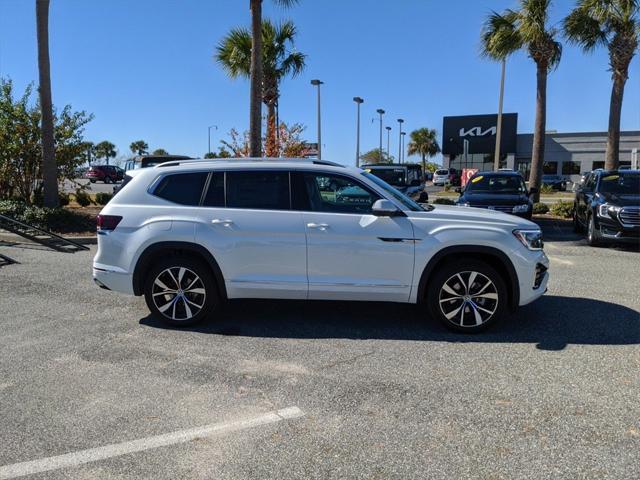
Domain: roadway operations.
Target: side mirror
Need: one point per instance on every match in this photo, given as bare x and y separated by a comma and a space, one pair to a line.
458, 189
384, 208
533, 191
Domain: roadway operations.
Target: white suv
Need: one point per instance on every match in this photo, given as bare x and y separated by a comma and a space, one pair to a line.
189, 234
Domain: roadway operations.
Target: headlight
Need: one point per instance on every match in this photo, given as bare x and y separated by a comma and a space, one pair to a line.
520, 208
606, 209
532, 239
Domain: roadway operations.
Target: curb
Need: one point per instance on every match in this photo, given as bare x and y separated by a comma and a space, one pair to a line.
13, 238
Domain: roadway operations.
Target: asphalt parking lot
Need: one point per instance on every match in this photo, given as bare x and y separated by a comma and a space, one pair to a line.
372, 390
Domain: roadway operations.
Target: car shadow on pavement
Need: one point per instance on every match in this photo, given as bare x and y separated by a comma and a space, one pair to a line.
551, 323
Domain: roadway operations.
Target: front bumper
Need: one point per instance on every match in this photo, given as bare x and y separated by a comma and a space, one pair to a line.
612, 231
533, 283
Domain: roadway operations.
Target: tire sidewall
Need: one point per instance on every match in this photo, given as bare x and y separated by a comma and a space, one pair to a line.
212, 298
447, 271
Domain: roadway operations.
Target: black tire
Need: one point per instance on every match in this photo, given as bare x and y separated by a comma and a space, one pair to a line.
92, 180
107, 179
490, 296
577, 228
186, 307
594, 237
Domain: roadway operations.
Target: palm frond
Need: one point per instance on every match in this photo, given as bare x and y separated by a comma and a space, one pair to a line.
500, 36
286, 3
582, 29
293, 64
233, 53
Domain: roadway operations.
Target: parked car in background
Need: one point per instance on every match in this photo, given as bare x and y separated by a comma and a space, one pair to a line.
607, 207
407, 178
502, 191
554, 181
446, 176
200, 232
105, 173
145, 161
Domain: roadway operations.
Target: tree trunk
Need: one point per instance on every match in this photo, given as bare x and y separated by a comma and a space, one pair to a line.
255, 109
612, 157
49, 169
537, 154
271, 147
424, 169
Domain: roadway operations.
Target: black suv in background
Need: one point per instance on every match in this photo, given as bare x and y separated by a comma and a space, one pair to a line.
607, 206
502, 191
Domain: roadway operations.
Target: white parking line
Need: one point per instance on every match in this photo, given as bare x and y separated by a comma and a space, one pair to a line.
100, 453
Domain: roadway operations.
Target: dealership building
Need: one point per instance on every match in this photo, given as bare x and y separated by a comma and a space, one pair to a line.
469, 142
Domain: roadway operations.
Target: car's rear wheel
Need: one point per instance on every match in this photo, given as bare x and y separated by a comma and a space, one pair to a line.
467, 296
107, 179
577, 228
92, 180
180, 291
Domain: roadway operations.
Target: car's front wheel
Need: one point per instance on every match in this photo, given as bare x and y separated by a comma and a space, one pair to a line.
467, 295
180, 291
577, 228
594, 237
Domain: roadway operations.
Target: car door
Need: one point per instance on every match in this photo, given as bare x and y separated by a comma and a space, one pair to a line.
258, 241
352, 254
584, 196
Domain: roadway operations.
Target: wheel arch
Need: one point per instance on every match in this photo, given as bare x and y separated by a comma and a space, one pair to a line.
162, 249
493, 256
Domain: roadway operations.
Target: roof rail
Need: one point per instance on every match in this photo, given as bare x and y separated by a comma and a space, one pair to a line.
249, 159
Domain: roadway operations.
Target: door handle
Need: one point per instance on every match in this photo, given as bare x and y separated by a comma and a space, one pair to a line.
319, 226
219, 221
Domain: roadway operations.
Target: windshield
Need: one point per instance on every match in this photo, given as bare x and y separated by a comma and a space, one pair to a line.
406, 201
625, 183
442, 172
393, 176
496, 184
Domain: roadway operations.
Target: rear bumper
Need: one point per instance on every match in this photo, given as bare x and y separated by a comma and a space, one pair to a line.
107, 277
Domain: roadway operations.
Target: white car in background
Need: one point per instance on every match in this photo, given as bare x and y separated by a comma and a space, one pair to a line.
189, 234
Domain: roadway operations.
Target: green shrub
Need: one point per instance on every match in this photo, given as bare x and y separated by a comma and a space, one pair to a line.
540, 208
546, 189
55, 219
83, 198
562, 209
63, 199
444, 201
447, 188
102, 198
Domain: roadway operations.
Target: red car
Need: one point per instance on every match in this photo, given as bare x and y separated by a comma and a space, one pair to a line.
105, 173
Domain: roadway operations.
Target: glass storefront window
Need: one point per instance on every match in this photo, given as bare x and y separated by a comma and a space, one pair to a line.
597, 165
571, 168
481, 161
550, 168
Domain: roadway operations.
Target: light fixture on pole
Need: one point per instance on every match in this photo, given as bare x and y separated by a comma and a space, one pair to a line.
317, 83
496, 160
400, 121
209, 135
380, 112
402, 134
388, 136
358, 101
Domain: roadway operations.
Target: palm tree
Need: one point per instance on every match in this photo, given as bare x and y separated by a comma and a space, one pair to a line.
139, 147
105, 150
49, 168
424, 142
526, 29
613, 24
256, 75
160, 151
234, 54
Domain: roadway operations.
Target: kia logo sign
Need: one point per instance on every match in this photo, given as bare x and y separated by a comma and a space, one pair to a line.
477, 132
480, 131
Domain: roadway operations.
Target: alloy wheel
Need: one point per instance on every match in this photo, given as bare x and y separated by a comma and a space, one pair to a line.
468, 299
178, 293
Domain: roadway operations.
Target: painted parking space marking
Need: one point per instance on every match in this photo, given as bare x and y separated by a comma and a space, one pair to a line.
116, 449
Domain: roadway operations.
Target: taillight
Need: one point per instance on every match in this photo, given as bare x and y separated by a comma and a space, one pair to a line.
107, 222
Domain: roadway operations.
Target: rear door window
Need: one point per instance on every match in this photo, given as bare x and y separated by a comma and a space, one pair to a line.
215, 193
182, 188
260, 190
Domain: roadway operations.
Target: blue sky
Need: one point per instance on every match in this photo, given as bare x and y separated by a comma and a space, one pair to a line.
145, 69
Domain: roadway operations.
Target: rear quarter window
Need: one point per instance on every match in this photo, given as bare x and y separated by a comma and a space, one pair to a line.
181, 188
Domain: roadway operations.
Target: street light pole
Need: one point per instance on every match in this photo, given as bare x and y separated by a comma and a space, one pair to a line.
388, 136
400, 121
358, 101
209, 135
402, 143
380, 112
317, 83
496, 160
